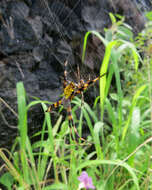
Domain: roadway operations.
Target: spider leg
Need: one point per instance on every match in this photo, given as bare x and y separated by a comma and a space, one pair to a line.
54, 105
72, 125
82, 99
65, 75
84, 85
81, 92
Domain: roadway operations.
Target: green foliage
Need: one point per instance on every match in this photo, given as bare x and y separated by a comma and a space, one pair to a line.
7, 180
119, 125
149, 15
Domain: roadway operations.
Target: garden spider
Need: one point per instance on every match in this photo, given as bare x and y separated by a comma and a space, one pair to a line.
72, 89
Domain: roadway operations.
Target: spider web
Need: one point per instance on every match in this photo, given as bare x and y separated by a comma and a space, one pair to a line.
63, 22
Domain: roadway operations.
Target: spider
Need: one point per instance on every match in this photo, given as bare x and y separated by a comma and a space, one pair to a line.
71, 90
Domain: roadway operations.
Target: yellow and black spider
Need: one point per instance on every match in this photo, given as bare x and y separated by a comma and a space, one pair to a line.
72, 89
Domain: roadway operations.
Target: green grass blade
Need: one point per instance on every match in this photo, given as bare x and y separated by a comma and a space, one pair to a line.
103, 70
22, 126
114, 122
58, 186
103, 40
22, 113
98, 128
134, 101
118, 84
17, 176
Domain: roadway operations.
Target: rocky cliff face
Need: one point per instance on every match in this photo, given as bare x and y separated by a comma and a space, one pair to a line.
36, 37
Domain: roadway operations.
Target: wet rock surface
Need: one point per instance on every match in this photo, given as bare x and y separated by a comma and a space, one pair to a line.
36, 37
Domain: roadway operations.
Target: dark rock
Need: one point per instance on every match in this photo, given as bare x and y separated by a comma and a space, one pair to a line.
17, 9
17, 35
132, 14
91, 15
